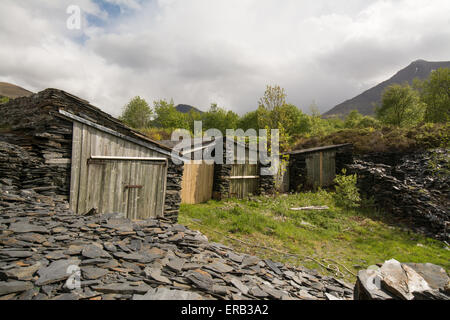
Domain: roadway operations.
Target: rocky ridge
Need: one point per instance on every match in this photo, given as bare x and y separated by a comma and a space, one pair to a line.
48, 253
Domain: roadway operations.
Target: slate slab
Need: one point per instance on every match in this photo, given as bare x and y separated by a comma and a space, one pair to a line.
57, 271
168, 294
219, 267
200, 279
23, 273
23, 227
433, 274
238, 284
14, 286
94, 252
93, 273
122, 288
16, 254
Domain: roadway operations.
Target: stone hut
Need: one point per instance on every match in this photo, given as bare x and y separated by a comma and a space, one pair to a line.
64, 146
317, 167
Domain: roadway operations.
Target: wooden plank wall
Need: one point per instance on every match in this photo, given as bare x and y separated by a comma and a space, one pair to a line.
242, 187
88, 181
320, 169
197, 183
328, 168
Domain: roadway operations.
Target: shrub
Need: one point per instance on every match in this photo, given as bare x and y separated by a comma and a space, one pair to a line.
385, 139
3, 99
347, 193
157, 133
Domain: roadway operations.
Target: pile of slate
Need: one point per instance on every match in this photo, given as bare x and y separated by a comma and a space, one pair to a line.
403, 281
47, 252
412, 190
23, 167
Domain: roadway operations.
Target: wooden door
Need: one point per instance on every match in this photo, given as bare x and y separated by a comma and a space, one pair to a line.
320, 169
134, 187
244, 180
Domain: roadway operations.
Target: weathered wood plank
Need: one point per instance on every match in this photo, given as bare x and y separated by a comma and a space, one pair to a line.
113, 164
85, 154
75, 169
197, 182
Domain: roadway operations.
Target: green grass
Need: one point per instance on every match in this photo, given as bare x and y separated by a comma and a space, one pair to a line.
355, 238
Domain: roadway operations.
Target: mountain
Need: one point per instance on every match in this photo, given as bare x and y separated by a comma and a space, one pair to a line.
364, 102
185, 108
12, 91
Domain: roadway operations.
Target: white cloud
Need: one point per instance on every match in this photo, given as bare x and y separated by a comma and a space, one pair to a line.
202, 51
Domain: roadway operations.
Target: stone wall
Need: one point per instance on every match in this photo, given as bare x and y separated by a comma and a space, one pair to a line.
410, 191
43, 142
297, 172
267, 184
173, 191
221, 185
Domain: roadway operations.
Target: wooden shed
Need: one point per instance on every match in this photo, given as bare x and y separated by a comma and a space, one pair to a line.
317, 167
92, 159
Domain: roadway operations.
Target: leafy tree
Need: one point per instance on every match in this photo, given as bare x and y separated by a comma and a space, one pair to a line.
369, 122
273, 97
353, 119
314, 109
137, 113
3, 99
220, 119
400, 106
191, 117
435, 92
356, 120
168, 117
318, 126
249, 121
290, 118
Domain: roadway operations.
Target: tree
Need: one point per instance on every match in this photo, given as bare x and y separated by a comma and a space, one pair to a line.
219, 118
400, 106
353, 119
273, 97
193, 116
249, 121
356, 120
168, 117
435, 93
137, 113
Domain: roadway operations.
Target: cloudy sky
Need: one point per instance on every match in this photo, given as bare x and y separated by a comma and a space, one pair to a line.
223, 51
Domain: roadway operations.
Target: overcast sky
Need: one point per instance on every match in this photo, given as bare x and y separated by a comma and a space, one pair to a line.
223, 51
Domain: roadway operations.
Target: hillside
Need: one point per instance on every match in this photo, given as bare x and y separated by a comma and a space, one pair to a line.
185, 108
364, 102
12, 91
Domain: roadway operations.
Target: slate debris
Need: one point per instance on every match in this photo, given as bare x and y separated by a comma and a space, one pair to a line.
409, 188
403, 281
45, 249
